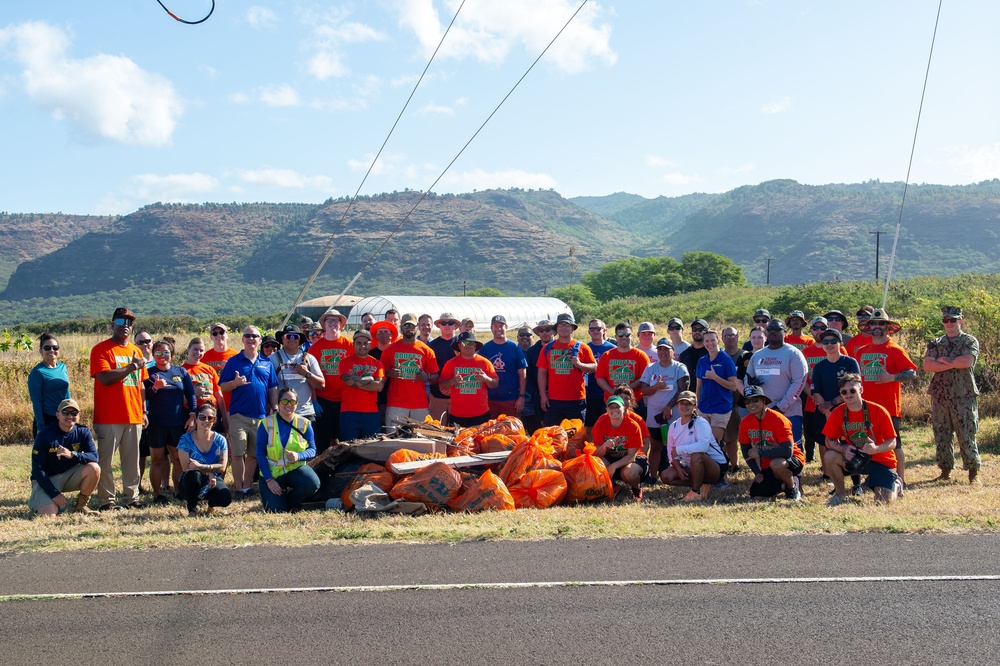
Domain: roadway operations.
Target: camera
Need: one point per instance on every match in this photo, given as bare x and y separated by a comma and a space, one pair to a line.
858, 462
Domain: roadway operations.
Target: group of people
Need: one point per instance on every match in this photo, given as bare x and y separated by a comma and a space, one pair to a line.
672, 411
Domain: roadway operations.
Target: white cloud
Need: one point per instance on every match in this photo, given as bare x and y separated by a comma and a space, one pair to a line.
678, 178
779, 106
478, 179
172, 187
330, 34
488, 31
282, 95
239, 98
285, 178
103, 96
659, 162
975, 163
432, 109
392, 164
743, 168
260, 17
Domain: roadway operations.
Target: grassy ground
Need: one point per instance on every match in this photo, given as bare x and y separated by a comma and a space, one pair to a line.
927, 507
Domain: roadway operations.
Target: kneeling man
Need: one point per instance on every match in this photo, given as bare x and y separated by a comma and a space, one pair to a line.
64, 457
768, 448
866, 427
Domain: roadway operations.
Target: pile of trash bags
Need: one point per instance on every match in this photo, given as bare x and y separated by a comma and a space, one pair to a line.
554, 465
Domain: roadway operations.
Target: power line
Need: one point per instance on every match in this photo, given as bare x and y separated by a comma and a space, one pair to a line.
180, 20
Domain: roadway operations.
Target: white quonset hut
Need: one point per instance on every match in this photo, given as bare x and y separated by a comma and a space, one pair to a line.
481, 309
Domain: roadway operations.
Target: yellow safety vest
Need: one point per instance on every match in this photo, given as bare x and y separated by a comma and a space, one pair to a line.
276, 451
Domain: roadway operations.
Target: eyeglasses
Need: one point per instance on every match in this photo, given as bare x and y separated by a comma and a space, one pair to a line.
70, 412
596, 328
834, 318
288, 401
122, 322
206, 417
291, 336
945, 320
217, 333
50, 347
698, 329
818, 327
849, 391
162, 352
673, 328
251, 335
144, 342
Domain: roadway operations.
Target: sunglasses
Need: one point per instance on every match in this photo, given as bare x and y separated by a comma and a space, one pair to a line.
162, 352
761, 320
448, 323
409, 325
270, 345
673, 328
526, 336
596, 328
831, 341
818, 327
50, 347
864, 316
122, 322
835, 318
288, 401
251, 335
946, 320
545, 330
144, 342
291, 336
698, 329
70, 412
623, 335
217, 333
849, 391
468, 343
206, 417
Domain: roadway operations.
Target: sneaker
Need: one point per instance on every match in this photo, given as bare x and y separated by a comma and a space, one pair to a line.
110, 507
858, 491
134, 504
722, 485
161, 499
637, 493
793, 494
836, 500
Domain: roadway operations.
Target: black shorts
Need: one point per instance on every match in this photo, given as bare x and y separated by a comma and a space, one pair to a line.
469, 421
595, 407
564, 409
771, 485
640, 460
162, 436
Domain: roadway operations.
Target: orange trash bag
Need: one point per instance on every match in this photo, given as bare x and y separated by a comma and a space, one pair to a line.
489, 492
577, 437
554, 436
505, 425
434, 486
494, 443
539, 489
524, 458
409, 455
587, 478
369, 473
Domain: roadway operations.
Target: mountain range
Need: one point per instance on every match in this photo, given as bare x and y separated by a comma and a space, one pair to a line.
250, 258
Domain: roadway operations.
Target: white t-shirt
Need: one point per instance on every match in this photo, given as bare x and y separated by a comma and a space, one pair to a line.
655, 402
683, 440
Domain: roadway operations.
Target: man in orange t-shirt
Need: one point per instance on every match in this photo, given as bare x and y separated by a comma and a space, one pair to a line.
562, 365
796, 321
330, 350
623, 365
861, 425
884, 367
769, 448
469, 377
409, 363
362, 377
118, 368
220, 352
864, 314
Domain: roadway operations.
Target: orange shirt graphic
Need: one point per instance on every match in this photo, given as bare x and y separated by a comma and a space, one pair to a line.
773, 429
617, 367
470, 396
121, 402
628, 435
352, 398
217, 361
858, 341
205, 377
881, 429
888, 357
406, 392
565, 381
800, 342
330, 354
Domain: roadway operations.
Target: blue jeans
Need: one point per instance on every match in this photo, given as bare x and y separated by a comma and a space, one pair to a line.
796, 429
296, 486
359, 425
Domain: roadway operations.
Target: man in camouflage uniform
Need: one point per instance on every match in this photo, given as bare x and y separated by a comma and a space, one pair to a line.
954, 405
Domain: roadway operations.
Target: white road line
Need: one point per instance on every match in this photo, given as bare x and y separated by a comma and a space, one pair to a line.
499, 586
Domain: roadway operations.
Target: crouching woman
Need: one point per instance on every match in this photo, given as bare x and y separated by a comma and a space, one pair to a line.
203, 455
286, 441
696, 460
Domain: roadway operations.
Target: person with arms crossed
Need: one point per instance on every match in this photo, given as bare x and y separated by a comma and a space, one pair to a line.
329, 350
438, 402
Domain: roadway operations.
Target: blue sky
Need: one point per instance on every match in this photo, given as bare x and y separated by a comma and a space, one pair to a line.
109, 106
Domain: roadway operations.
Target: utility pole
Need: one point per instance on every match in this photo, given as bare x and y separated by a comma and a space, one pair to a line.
878, 238
769, 260
463, 287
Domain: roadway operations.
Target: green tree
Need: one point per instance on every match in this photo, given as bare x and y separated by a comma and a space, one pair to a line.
578, 298
705, 270
486, 291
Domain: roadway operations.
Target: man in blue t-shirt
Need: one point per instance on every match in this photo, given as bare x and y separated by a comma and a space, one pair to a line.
63, 458
511, 365
251, 379
599, 344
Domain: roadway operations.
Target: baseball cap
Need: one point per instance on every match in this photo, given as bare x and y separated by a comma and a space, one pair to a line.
699, 322
123, 313
68, 402
218, 324
675, 320
362, 333
408, 318
498, 319
647, 327
663, 342
775, 324
688, 396
615, 400
762, 313
831, 333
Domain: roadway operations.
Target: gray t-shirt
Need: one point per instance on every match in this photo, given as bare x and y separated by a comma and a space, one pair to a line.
655, 402
783, 373
284, 367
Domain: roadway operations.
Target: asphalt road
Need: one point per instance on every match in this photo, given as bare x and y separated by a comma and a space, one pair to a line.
875, 622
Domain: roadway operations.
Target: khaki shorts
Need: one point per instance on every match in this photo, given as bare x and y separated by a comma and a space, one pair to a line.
733, 427
243, 435
67, 481
718, 420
